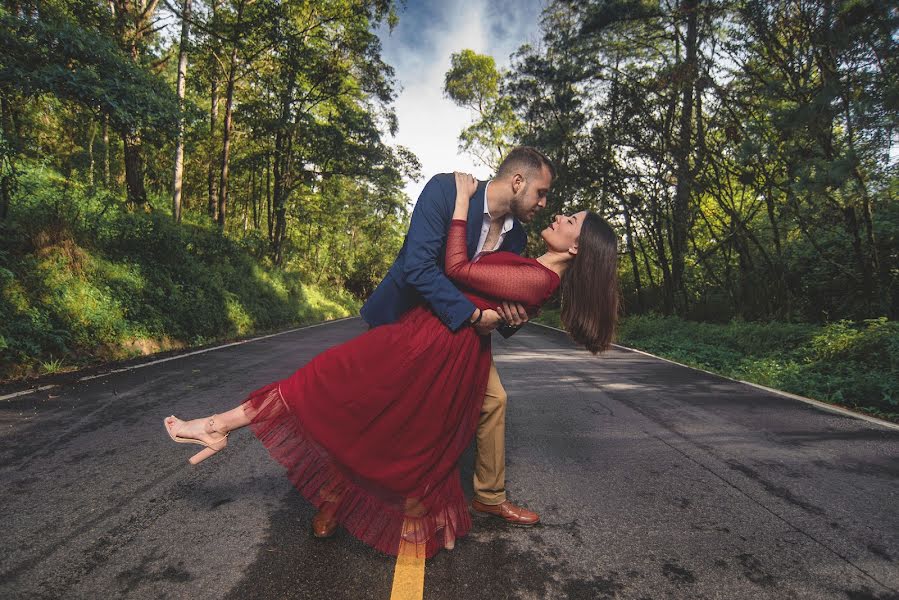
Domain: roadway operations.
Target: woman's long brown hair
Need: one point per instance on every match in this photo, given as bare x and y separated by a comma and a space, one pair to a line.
590, 296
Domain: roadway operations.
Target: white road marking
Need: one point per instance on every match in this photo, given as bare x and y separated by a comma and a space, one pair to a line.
179, 356
816, 403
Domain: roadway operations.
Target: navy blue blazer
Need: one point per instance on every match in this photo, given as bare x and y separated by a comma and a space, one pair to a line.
417, 273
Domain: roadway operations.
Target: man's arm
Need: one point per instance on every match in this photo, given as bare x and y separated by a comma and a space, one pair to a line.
427, 233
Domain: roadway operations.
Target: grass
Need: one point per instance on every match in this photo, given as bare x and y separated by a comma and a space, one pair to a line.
855, 365
81, 286
52, 366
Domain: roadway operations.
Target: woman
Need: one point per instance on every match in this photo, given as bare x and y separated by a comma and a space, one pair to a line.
370, 431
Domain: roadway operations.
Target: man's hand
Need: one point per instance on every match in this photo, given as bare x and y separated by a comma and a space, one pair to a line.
513, 313
489, 321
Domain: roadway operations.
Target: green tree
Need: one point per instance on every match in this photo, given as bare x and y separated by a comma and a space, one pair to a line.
741, 147
305, 98
473, 82
183, 45
46, 50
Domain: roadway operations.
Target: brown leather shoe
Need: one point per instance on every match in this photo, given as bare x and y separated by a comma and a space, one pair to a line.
516, 515
323, 523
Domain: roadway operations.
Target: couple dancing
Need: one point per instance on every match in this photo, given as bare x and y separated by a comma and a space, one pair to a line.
371, 431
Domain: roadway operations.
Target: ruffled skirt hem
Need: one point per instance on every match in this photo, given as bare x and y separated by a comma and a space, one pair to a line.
414, 522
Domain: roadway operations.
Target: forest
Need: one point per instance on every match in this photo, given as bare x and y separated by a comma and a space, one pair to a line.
177, 172
744, 148
165, 192
746, 152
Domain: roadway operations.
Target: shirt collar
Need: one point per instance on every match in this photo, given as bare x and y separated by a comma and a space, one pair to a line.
507, 224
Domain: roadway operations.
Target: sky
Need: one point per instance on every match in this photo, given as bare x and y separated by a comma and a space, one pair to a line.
419, 49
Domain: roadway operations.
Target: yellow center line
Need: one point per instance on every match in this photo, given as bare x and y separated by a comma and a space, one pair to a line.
409, 574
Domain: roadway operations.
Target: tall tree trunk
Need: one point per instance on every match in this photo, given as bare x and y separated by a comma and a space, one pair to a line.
133, 19
179, 144
662, 255
632, 253
772, 215
134, 169
747, 289
880, 281
783, 299
246, 213
213, 124
254, 196
646, 264
106, 151
5, 191
281, 172
8, 164
268, 197
282, 188
830, 80
211, 203
883, 280
226, 129
92, 128
605, 192
682, 156
855, 235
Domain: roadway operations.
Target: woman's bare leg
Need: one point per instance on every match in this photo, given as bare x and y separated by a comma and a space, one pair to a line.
209, 430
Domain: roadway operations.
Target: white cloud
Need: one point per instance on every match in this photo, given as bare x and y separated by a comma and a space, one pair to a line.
429, 123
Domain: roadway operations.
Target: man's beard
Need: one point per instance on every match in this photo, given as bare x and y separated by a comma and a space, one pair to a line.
517, 205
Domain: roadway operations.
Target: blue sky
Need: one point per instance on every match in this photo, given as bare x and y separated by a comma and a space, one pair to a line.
419, 49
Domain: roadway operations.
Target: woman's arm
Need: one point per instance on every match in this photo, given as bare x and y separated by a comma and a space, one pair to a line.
421, 266
525, 283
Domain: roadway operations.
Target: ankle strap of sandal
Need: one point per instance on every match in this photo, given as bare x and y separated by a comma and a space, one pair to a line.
216, 429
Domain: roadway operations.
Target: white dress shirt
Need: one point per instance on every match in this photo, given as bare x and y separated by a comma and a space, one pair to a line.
485, 228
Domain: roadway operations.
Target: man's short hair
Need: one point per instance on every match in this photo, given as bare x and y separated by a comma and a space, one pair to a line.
524, 158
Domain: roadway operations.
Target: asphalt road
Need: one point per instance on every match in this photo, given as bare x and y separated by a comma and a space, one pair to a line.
652, 480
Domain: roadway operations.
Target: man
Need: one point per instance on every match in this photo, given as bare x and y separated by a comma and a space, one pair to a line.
494, 223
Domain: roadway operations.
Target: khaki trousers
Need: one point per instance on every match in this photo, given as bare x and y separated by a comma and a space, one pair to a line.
490, 459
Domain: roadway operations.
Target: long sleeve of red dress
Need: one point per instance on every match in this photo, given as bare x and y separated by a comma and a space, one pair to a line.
526, 281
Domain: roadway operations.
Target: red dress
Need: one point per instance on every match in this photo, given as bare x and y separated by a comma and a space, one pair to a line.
379, 422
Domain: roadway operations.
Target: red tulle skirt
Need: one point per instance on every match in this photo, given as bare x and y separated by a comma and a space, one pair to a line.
377, 425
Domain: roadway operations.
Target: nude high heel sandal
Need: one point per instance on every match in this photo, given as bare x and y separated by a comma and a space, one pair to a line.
209, 450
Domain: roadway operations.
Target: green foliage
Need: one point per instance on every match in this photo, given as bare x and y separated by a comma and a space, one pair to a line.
473, 81
846, 363
314, 198
309, 100
770, 194
57, 55
78, 284
51, 366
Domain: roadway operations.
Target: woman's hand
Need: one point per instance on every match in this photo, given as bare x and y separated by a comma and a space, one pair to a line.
466, 186
513, 313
